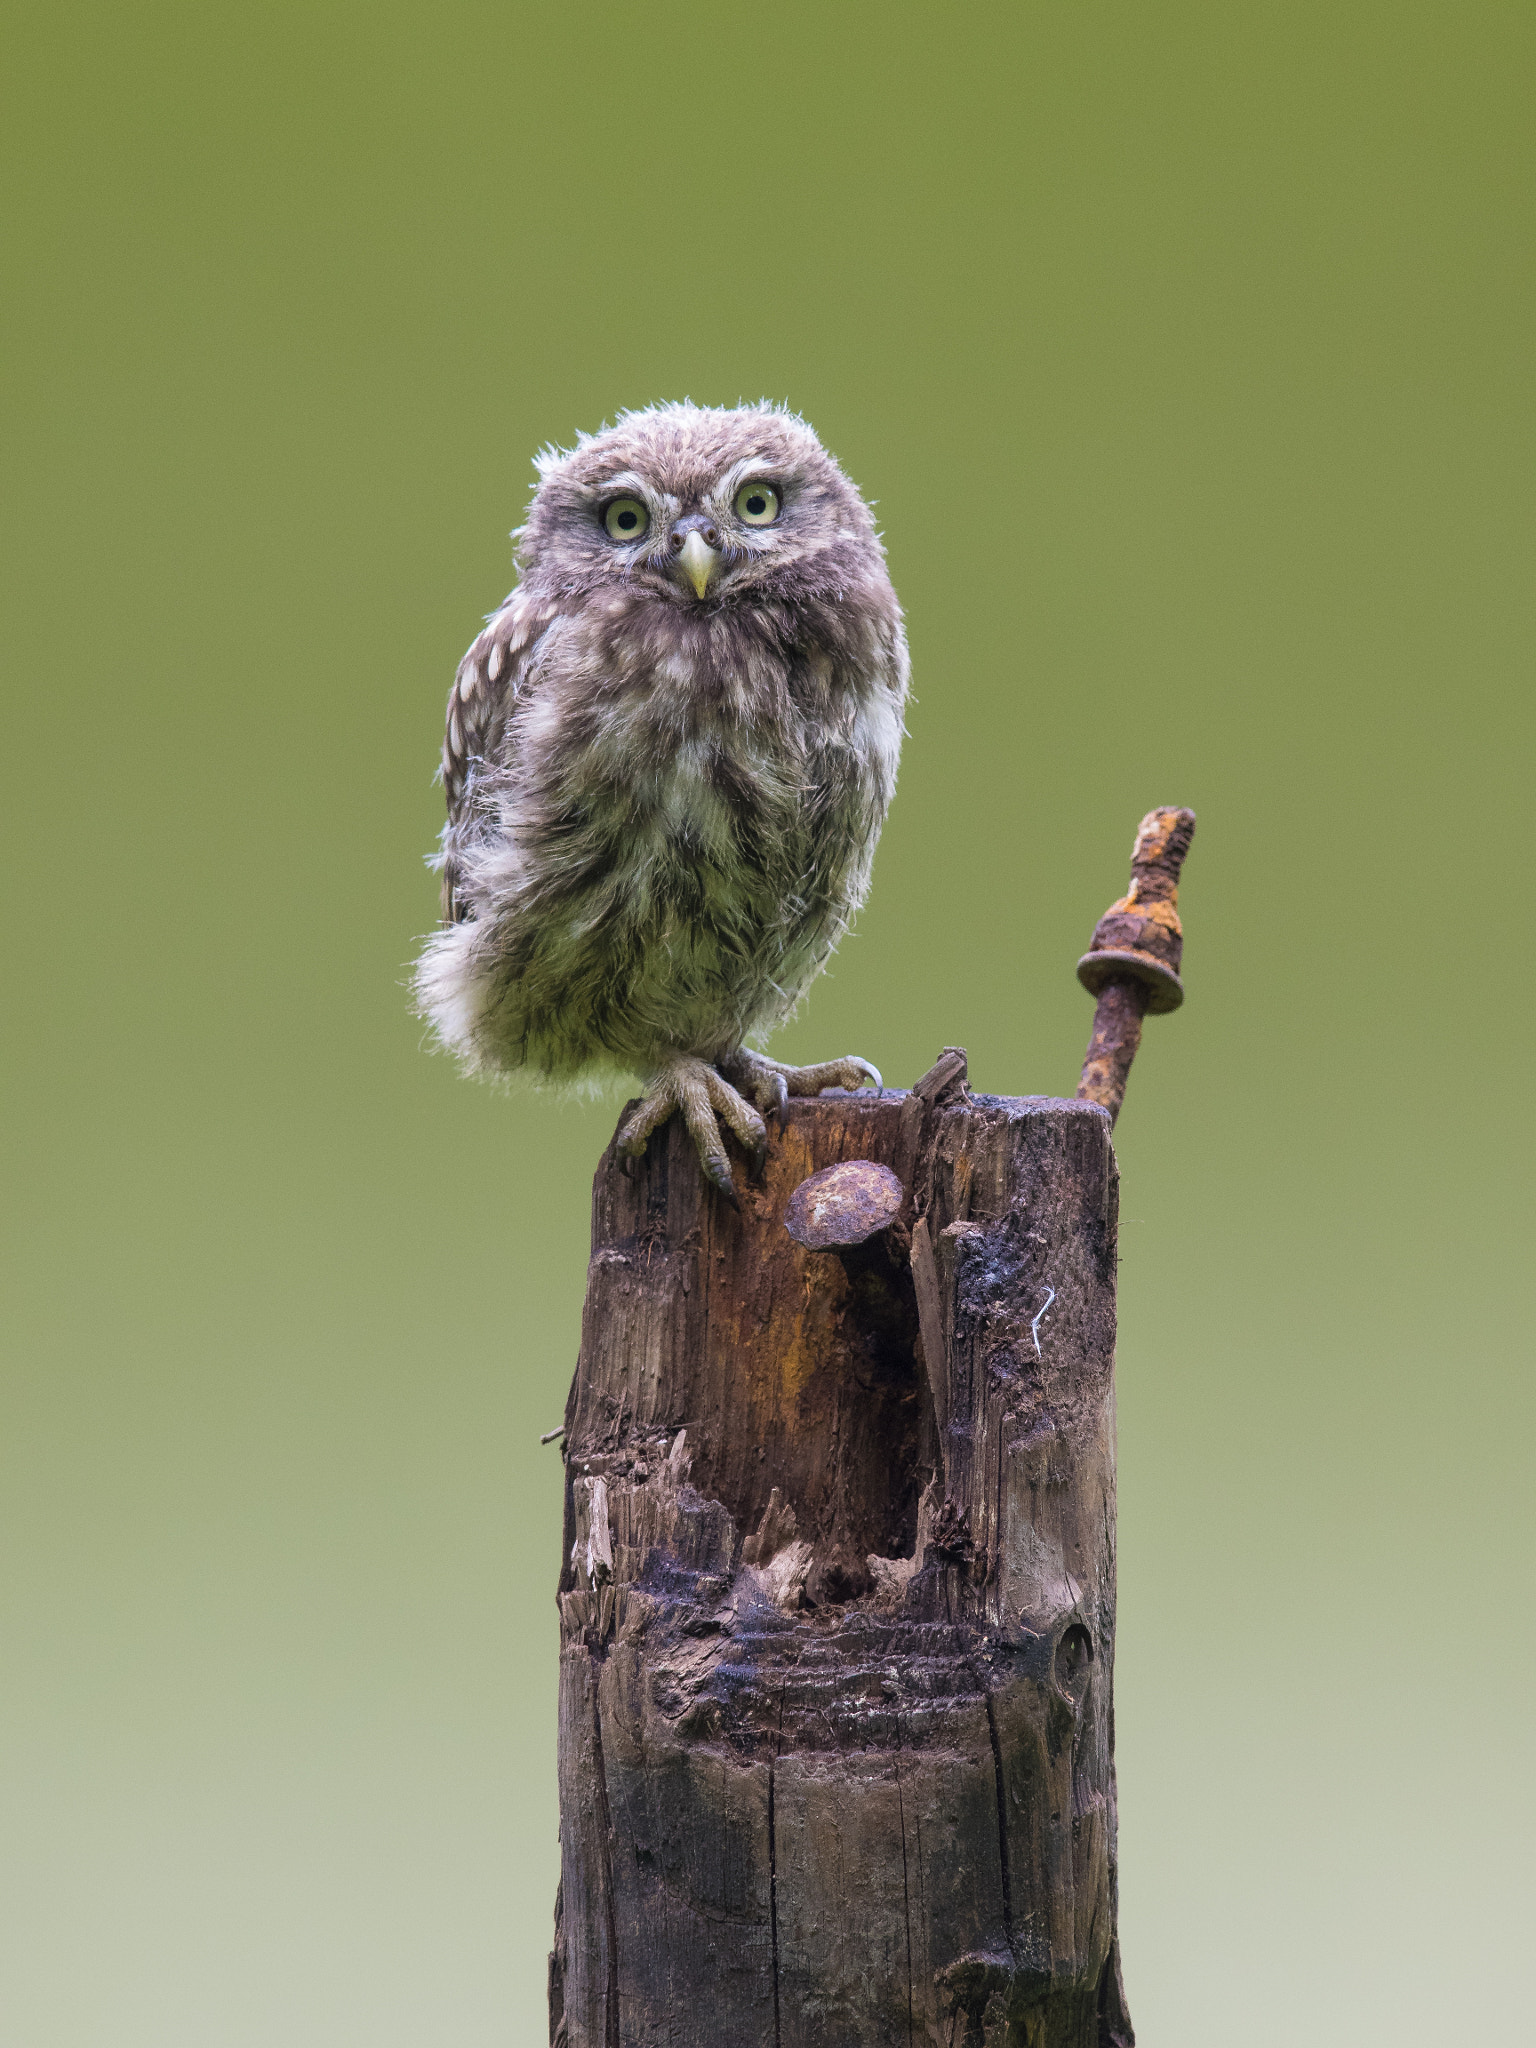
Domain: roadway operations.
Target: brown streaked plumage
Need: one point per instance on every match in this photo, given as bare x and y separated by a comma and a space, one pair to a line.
667, 761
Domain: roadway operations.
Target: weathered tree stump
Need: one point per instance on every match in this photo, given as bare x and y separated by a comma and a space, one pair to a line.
838, 1606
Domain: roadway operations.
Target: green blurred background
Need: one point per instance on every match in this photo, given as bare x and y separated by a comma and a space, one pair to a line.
1188, 353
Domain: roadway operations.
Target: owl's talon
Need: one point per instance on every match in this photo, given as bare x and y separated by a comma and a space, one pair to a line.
779, 1089
718, 1173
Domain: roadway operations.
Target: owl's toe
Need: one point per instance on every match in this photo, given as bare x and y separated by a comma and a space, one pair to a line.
851, 1072
740, 1118
717, 1172
643, 1121
861, 1073
693, 1088
770, 1084
760, 1080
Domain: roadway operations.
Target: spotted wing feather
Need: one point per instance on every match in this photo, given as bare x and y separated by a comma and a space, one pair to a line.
486, 687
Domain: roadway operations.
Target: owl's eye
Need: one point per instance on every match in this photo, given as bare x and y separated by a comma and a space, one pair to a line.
757, 504
626, 519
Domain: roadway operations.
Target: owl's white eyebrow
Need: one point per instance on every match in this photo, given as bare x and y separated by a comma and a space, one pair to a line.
751, 465
626, 480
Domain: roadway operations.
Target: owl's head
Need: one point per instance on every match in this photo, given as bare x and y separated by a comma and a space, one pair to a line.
701, 506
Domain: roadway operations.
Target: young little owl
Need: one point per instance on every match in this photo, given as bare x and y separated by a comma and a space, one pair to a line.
668, 759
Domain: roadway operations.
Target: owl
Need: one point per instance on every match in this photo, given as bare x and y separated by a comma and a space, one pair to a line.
667, 762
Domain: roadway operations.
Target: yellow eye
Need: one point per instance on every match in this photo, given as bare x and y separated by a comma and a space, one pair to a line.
626, 519
757, 504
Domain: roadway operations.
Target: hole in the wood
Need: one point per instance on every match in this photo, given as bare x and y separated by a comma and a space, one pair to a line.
881, 1409
850, 1440
794, 1371
1074, 1655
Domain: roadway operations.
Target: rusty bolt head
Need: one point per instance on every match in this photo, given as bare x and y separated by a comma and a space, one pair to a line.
844, 1204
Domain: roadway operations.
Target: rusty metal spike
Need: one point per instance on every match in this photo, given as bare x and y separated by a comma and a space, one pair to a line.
1132, 964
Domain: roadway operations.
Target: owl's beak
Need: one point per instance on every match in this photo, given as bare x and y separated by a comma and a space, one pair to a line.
699, 561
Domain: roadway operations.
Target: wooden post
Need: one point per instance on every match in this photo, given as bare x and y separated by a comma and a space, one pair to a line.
838, 1604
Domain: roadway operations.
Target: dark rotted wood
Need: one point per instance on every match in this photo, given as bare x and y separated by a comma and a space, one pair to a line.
838, 1605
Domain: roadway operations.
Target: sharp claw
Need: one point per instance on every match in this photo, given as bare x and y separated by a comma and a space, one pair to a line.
873, 1072
757, 1164
718, 1174
629, 1165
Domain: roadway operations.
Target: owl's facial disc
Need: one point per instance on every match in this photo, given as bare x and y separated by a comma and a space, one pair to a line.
695, 546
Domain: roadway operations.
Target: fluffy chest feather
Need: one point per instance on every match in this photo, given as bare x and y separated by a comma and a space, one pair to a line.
697, 736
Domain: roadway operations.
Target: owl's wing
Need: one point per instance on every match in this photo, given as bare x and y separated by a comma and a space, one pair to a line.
489, 681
